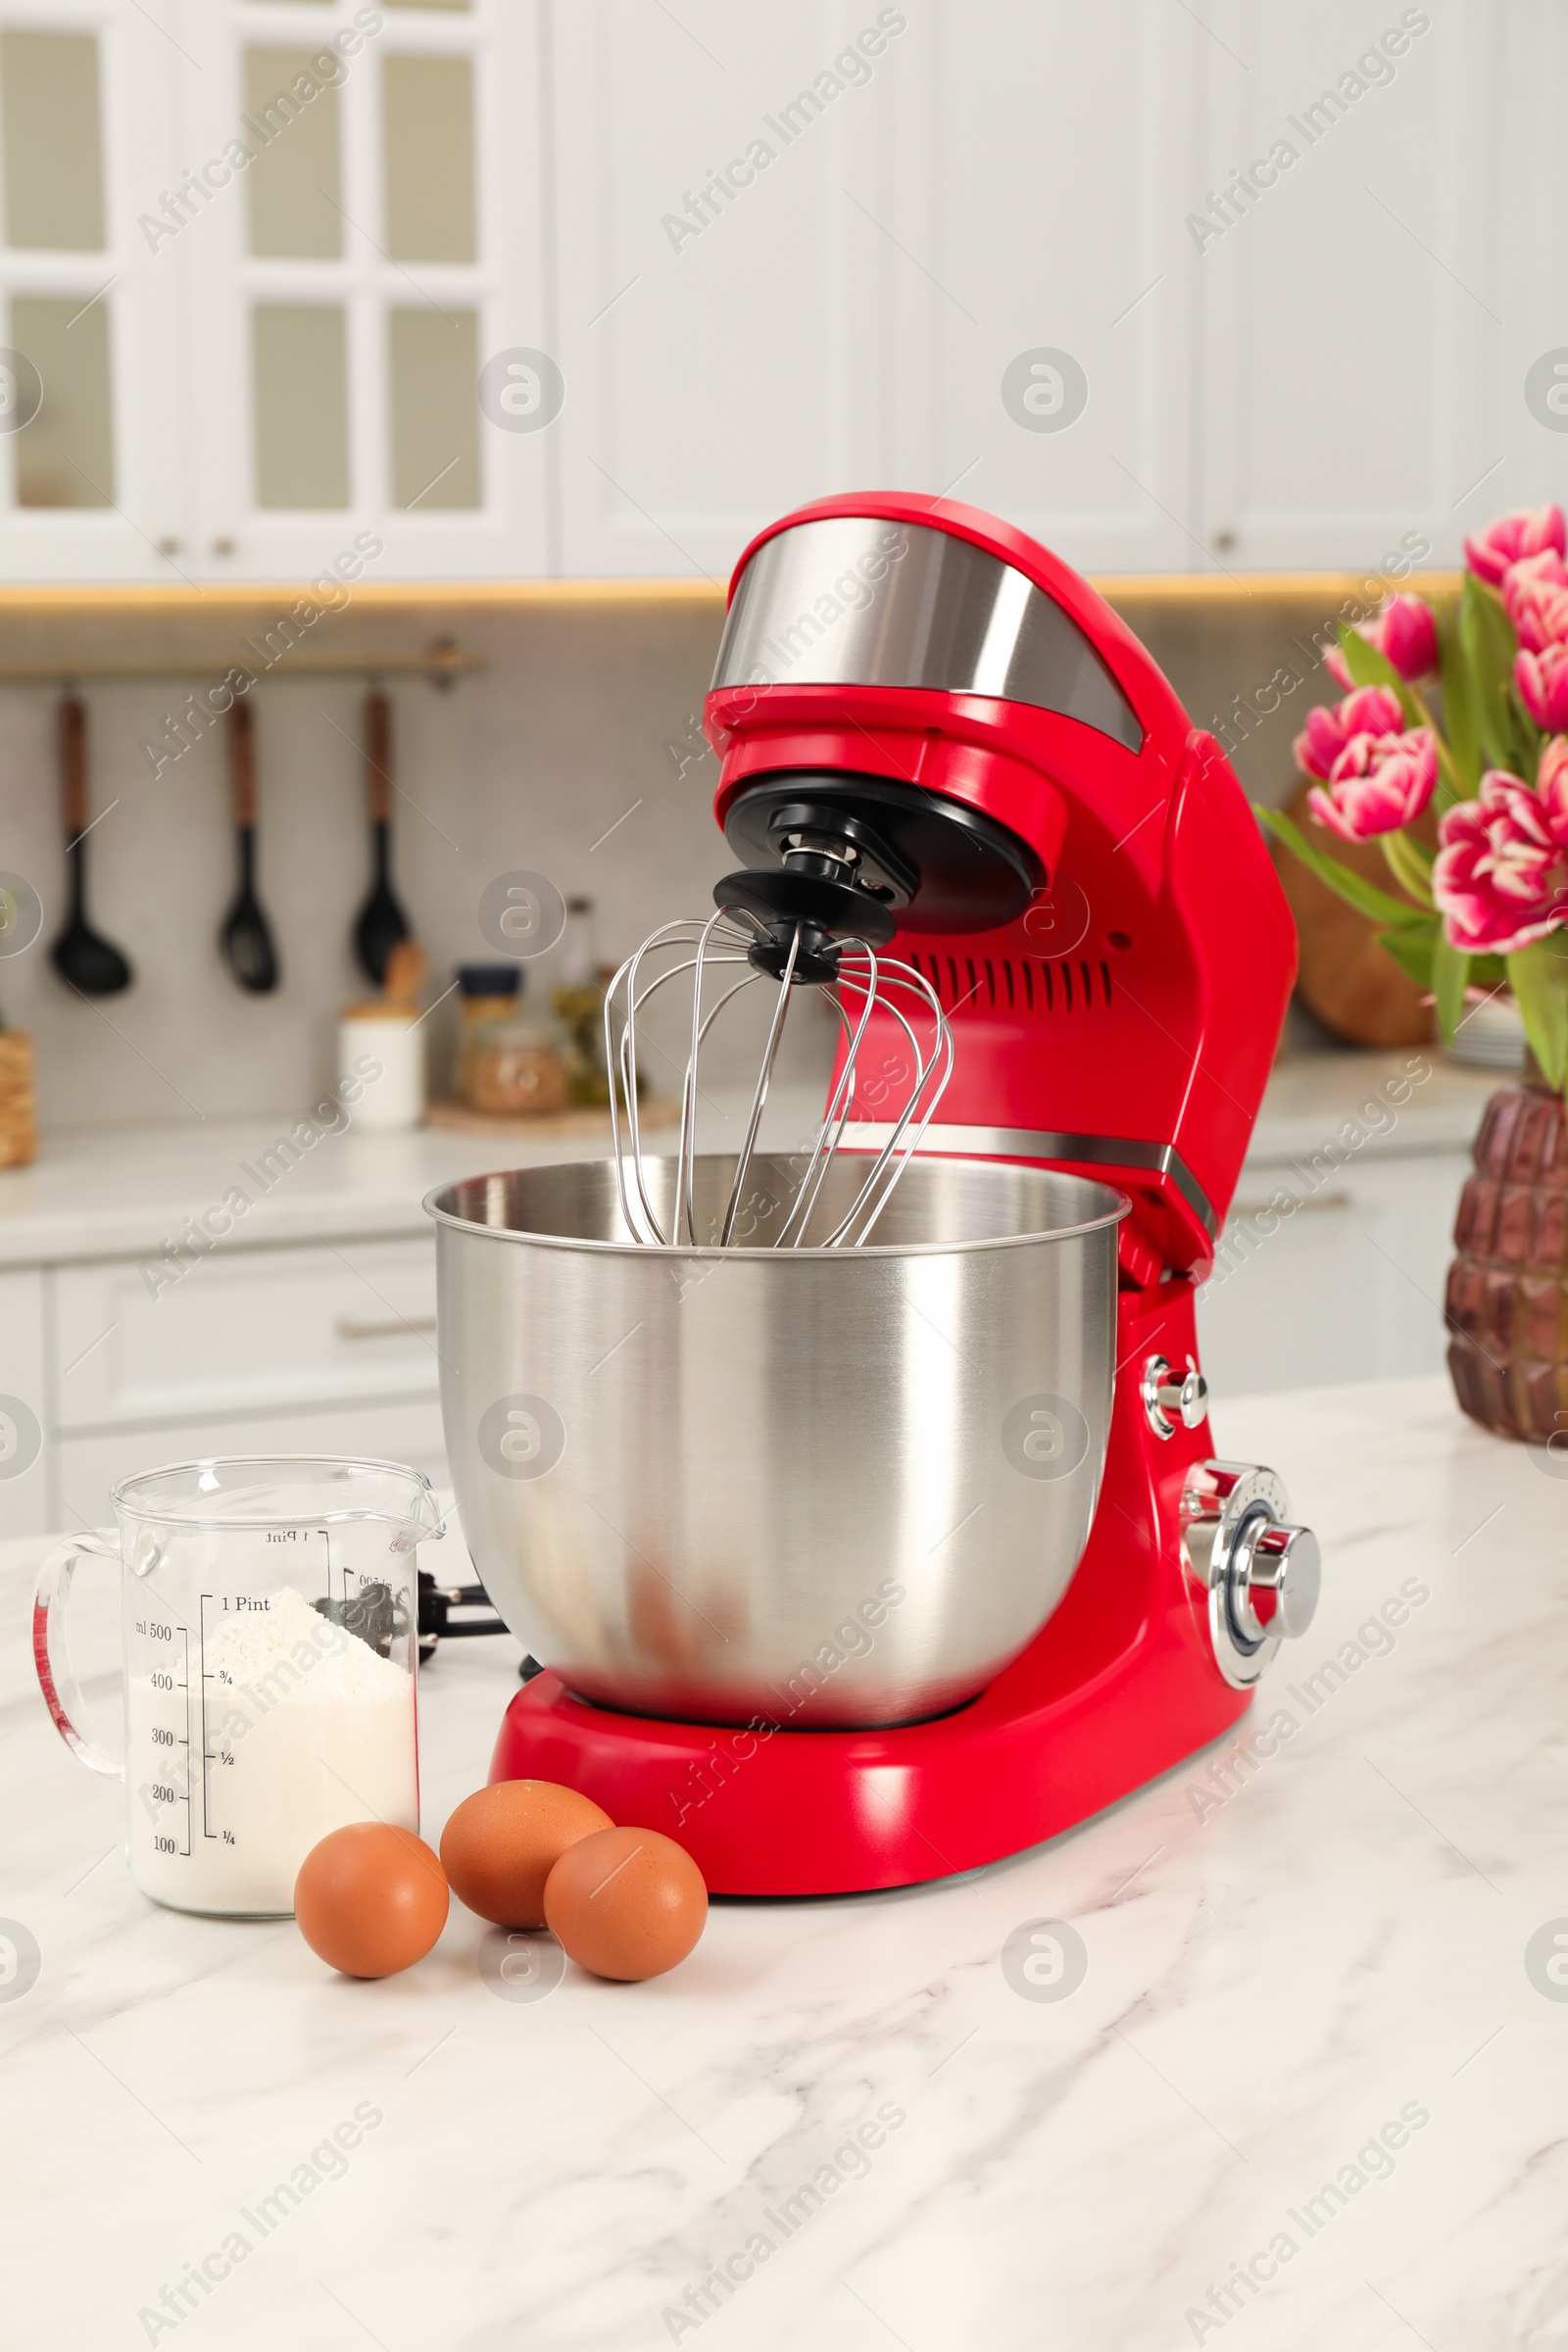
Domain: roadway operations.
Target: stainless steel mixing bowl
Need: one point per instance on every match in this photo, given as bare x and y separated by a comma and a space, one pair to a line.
814, 1486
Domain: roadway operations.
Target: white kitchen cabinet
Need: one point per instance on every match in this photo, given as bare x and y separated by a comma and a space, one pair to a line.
347, 287
1034, 216
1528, 232
86, 1467
1359, 384
91, 419
329, 1349
24, 1471
245, 1332
1348, 1287
724, 326
875, 305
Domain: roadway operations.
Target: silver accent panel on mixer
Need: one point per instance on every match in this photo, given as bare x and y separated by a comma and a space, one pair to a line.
856, 601
1050, 1143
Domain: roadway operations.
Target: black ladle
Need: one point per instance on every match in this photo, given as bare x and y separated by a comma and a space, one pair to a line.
381, 922
84, 959
246, 937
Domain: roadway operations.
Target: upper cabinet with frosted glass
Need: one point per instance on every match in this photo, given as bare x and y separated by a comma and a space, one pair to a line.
91, 474
256, 254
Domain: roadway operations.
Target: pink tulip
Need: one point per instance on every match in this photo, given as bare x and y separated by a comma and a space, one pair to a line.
1367, 711
1379, 783
1402, 631
1511, 536
1534, 595
1552, 779
1408, 639
1548, 566
1501, 874
1542, 682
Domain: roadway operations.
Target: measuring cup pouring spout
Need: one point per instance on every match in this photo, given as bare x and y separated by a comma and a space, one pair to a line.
269, 1642
425, 1524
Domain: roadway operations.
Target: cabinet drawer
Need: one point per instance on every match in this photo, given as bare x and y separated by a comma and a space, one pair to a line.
24, 1505
1349, 1285
258, 1330
87, 1467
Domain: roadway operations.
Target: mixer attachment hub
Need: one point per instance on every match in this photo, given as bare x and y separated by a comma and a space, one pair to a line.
811, 898
837, 880
938, 863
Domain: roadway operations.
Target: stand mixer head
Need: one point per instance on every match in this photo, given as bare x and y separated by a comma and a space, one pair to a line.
1066, 860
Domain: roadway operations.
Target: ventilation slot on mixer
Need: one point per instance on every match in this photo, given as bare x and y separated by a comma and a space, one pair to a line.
1066, 984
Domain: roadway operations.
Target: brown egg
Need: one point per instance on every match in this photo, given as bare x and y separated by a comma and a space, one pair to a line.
502, 1843
371, 1899
626, 1903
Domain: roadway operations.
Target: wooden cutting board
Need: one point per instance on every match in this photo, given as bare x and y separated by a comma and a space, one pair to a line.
651, 1114
1347, 981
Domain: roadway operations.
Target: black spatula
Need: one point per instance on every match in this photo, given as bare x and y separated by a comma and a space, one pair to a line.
83, 956
381, 922
246, 937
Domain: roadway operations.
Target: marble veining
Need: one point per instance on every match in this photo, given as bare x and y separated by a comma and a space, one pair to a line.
1308, 2090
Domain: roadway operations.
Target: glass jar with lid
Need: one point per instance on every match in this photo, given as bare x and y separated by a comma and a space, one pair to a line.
487, 993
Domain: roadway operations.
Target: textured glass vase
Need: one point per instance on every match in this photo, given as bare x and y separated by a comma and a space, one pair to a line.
1507, 1304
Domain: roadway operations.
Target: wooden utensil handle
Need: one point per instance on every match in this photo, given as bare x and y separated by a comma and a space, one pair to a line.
242, 761
378, 755
73, 764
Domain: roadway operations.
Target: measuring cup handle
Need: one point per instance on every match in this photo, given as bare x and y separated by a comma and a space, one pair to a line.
51, 1655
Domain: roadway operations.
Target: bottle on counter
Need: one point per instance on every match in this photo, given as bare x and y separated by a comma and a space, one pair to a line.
578, 1003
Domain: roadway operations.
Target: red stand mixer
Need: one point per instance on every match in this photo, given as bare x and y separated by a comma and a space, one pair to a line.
925, 718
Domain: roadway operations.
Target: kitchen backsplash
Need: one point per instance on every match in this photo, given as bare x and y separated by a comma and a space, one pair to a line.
575, 753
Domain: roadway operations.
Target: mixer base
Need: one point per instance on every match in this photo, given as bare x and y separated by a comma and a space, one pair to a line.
801, 1813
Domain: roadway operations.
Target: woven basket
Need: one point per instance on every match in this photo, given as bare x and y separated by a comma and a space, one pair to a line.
19, 1132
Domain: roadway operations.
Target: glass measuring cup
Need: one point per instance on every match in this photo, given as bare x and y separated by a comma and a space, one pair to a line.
270, 1628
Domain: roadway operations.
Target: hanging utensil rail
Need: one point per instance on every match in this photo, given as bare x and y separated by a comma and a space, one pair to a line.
443, 663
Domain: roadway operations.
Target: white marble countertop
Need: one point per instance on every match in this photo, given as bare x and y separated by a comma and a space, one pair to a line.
1307, 2041
96, 1193
1408, 1099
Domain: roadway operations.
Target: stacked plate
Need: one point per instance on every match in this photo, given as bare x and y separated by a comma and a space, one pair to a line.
1491, 1036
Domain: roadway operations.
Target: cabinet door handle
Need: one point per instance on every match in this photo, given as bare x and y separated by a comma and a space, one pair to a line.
390, 1327
1257, 1208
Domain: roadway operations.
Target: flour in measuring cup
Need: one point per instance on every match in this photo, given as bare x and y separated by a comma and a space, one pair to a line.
306, 1727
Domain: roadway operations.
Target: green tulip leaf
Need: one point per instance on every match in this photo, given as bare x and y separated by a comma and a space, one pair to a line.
1412, 950
1459, 717
1539, 978
1365, 897
1450, 976
1368, 667
1490, 644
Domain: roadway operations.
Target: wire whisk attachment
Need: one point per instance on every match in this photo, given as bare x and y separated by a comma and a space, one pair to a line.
857, 983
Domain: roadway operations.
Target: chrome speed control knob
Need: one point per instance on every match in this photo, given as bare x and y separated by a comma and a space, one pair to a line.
1258, 1574
1276, 1580
1171, 1403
